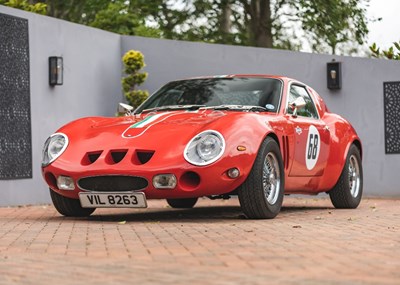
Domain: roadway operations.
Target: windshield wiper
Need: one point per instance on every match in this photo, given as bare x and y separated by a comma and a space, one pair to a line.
240, 108
258, 109
174, 107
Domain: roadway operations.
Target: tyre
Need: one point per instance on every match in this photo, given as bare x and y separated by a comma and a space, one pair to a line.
69, 207
261, 195
348, 190
182, 203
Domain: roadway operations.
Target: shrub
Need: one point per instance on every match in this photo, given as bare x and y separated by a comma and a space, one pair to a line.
133, 62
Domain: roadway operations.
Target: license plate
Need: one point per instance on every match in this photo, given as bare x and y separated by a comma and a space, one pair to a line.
112, 200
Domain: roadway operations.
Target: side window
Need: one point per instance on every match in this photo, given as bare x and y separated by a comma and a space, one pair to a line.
309, 110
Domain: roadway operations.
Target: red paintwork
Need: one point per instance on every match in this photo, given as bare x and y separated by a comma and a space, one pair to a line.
169, 135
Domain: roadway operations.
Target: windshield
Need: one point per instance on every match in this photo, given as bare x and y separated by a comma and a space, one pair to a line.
208, 92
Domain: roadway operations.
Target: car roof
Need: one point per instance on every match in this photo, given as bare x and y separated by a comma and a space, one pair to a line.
242, 75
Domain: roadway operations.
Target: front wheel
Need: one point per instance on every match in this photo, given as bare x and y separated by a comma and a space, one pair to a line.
182, 203
69, 207
261, 195
348, 190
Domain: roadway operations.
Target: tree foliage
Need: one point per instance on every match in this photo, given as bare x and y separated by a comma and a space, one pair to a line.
333, 22
392, 52
123, 18
39, 8
328, 25
133, 62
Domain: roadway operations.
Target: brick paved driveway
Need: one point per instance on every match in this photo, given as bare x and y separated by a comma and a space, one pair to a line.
309, 242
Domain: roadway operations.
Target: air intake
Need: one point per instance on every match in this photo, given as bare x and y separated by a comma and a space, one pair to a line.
112, 183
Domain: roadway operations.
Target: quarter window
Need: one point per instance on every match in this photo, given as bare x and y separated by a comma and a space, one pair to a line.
309, 110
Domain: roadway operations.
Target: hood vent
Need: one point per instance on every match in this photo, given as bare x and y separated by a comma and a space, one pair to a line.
91, 157
142, 156
115, 156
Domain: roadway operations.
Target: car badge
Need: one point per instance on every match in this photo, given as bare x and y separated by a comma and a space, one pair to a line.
299, 130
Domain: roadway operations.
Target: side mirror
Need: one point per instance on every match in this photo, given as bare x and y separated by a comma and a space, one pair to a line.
297, 104
125, 109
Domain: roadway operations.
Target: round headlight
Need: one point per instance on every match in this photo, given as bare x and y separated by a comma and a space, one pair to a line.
53, 148
205, 148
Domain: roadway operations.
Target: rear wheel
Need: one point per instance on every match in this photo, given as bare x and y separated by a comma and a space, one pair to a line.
348, 190
182, 203
69, 207
261, 195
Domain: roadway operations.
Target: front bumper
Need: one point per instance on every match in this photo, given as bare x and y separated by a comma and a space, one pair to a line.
191, 181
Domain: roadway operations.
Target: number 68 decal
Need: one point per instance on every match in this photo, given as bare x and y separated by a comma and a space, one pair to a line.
313, 147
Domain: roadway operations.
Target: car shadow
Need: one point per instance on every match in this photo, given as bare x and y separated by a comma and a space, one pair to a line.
202, 213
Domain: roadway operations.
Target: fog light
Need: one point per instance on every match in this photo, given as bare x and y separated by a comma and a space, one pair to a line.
65, 183
233, 173
164, 181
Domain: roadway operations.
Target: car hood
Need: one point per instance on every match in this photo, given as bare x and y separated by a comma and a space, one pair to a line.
147, 131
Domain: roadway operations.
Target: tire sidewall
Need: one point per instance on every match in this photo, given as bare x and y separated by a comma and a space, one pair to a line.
340, 195
268, 146
353, 201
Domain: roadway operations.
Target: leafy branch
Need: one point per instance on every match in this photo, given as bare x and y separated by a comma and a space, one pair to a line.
392, 53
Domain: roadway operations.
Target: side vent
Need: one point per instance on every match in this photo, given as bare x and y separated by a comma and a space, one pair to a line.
285, 140
142, 156
116, 156
91, 157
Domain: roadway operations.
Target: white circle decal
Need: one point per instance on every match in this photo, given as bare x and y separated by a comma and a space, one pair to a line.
312, 147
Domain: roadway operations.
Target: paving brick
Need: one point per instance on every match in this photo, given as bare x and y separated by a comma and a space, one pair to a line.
309, 242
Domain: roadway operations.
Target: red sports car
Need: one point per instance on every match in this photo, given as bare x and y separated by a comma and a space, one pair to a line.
255, 136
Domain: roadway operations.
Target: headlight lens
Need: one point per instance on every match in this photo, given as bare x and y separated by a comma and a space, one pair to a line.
54, 146
205, 148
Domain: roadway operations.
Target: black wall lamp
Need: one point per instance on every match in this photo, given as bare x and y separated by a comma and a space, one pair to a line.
56, 70
334, 75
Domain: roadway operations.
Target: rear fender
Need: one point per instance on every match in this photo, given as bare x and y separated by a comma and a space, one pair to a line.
343, 136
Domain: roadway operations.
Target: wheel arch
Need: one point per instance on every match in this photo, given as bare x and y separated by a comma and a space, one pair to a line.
358, 144
274, 137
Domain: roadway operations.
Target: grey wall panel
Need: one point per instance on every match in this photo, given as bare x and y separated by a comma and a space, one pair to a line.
392, 117
92, 74
15, 107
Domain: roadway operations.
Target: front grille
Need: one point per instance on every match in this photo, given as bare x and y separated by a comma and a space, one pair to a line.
112, 183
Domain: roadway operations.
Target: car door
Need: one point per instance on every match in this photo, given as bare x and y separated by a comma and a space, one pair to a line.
311, 135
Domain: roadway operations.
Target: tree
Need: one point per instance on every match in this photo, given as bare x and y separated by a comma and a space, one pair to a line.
118, 18
133, 62
274, 23
260, 22
333, 22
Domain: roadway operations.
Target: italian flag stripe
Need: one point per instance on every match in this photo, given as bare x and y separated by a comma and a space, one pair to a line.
148, 120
